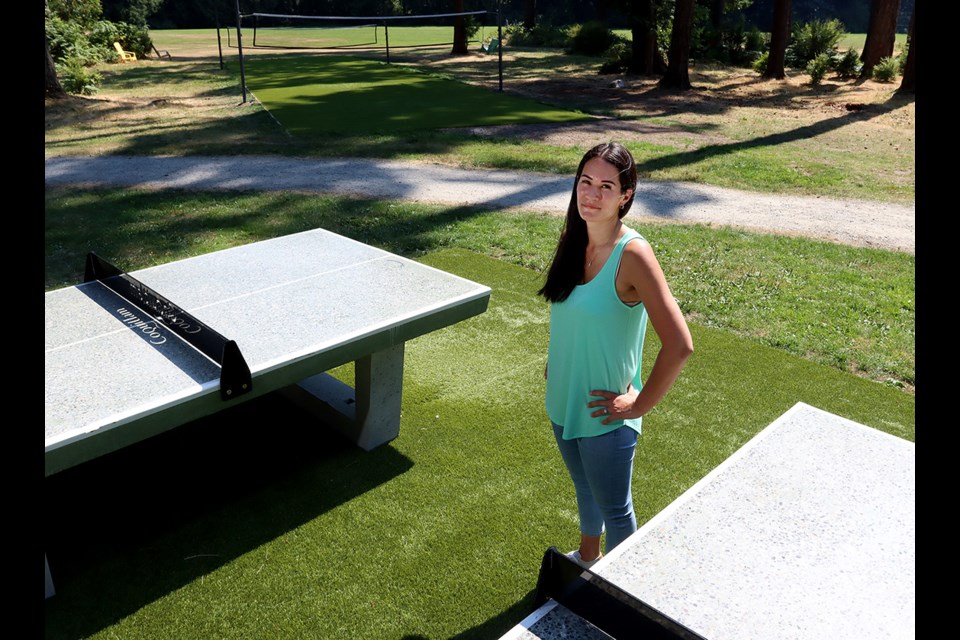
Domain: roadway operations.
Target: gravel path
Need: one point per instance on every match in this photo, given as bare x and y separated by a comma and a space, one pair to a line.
860, 223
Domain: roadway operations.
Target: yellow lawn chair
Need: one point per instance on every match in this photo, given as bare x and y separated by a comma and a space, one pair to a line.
125, 56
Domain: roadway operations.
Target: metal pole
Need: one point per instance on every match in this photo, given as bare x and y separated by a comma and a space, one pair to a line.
500, 47
219, 46
243, 79
386, 35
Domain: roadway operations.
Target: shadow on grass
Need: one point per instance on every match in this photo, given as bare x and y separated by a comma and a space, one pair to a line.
800, 133
115, 226
255, 131
131, 527
502, 622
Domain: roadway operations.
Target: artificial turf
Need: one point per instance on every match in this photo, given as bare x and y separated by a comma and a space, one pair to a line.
258, 522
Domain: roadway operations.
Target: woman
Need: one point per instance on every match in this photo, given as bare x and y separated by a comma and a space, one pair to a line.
603, 284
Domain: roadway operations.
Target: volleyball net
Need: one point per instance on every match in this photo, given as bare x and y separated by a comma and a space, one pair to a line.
371, 33
366, 33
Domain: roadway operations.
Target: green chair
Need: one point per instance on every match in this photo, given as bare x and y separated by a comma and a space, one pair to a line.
490, 47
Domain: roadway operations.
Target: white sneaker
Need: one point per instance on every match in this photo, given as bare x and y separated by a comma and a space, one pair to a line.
586, 564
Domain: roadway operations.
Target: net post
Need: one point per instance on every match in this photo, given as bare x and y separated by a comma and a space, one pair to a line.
386, 37
219, 45
243, 81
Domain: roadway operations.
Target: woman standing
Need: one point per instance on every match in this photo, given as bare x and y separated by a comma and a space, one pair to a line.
603, 284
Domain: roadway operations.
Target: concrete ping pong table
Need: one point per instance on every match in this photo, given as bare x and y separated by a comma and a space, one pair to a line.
807, 532
128, 356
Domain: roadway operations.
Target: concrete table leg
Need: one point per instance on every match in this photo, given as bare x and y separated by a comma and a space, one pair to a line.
48, 586
369, 413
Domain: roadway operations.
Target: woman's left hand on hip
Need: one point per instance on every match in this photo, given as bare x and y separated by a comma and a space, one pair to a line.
613, 406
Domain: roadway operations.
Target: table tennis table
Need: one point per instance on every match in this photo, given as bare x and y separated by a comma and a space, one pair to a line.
806, 532
131, 355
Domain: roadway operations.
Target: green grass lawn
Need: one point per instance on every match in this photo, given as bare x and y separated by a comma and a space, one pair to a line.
315, 94
256, 523
779, 141
846, 307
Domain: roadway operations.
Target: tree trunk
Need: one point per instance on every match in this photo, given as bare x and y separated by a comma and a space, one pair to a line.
602, 8
646, 59
779, 35
716, 25
881, 34
678, 58
908, 81
53, 88
459, 31
529, 15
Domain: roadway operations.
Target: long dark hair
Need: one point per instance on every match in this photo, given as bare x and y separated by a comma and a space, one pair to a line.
566, 271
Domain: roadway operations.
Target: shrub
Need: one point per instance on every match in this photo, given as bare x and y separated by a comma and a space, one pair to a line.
902, 59
591, 39
617, 58
818, 68
542, 35
885, 70
760, 64
134, 38
732, 43
69, 40
755, 40
470, 23
76, 78
848, 65
810, 39
104, 34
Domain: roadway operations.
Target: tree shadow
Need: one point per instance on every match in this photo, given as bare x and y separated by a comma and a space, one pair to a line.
868, 112
502, 622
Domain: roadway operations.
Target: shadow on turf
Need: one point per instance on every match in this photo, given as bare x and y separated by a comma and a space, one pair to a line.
502, 622
128, 528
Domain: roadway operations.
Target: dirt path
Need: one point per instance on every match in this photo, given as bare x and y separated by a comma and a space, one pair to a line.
858, 223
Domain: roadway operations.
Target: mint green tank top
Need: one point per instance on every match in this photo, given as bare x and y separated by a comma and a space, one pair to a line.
596, 342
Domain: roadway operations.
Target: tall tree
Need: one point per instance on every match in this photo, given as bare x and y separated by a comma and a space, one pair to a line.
907, 84
678, 57
779, 35
53, 87
881, 34
529, 14
459, 31
715, 34
603, 8
646, 57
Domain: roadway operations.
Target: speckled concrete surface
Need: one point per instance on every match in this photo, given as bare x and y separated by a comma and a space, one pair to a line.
282, 300
807, 532
555, 622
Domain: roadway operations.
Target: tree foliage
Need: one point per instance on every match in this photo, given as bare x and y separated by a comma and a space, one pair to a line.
84, 13
136, 12
77, 38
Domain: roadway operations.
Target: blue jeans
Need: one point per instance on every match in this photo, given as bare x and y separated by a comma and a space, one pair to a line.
601, 468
